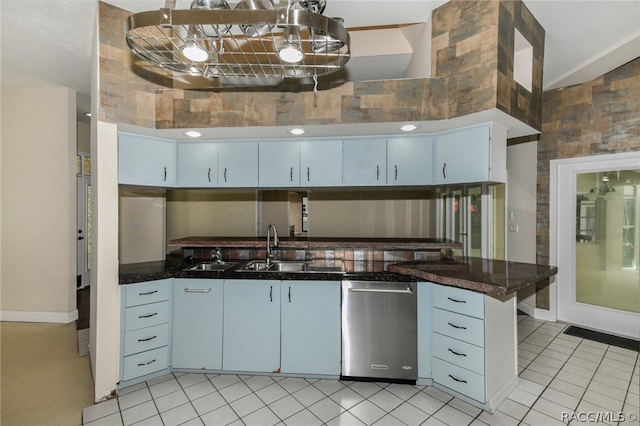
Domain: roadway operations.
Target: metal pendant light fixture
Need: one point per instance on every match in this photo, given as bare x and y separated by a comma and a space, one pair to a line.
256, 38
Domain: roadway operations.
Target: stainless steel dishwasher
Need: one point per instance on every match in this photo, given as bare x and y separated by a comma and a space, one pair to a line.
379, 330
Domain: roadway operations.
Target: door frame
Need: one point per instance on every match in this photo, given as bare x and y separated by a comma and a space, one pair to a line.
83, 181
562, 249
445, 203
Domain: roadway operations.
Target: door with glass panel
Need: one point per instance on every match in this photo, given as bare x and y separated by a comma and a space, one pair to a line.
598, 256
465, 215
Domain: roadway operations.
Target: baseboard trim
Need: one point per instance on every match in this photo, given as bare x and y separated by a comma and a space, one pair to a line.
526, 308
25, 316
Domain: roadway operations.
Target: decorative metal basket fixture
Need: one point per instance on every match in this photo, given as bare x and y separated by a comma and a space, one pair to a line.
255, 39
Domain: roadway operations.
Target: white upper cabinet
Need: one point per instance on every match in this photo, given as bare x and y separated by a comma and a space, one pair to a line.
238, 164
473, 154
321, 162
197, 164
146, 161
467, 155
279, 164
364, 162
410, 160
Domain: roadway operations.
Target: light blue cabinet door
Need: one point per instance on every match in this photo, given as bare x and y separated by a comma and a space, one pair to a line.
462, 156
279, 164
410, 160
251, 339
197, 324
197, 165
311, 340
238, 164
146, 161
321, 163
364, 162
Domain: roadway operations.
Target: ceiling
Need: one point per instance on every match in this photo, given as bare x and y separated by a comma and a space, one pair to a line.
584, 39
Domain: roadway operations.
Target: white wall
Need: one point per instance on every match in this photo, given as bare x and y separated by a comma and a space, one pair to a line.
38, 272
105, 291
521, 212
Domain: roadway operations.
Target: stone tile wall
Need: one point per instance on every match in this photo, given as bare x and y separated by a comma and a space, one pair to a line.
599, 117
469, 78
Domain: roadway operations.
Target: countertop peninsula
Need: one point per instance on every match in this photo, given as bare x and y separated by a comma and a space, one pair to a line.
473, 273
492, 277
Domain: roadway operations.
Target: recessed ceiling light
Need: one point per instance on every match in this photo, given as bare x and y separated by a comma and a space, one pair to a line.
193, 134
297, 131
408, 127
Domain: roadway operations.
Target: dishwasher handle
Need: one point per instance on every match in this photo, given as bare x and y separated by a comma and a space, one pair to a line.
408, 290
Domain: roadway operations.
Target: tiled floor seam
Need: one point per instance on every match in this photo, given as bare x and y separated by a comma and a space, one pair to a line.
529, 409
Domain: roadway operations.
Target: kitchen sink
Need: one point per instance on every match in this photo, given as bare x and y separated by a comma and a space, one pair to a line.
211, 266
287, 266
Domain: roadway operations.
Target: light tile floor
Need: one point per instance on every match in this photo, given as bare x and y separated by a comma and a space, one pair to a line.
563, 380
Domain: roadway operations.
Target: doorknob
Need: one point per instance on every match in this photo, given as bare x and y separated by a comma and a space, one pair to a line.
80, 238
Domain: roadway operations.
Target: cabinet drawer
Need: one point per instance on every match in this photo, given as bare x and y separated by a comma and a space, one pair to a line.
458, 326
146, 315
459, 379
148, 292
145, 363
458, 300
145, 339
459, 353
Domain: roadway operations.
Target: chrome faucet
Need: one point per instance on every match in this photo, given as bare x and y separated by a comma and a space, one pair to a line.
275, 241
216, 255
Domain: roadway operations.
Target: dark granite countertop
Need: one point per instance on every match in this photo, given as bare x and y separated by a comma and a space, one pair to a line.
174, 267
483, 275
321, 243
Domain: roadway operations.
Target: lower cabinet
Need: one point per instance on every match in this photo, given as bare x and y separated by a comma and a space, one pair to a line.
310, 327
251, 337
145, 317
197, 324
474, 344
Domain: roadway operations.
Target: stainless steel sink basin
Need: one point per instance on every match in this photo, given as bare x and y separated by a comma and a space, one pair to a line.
287, 266
211, 266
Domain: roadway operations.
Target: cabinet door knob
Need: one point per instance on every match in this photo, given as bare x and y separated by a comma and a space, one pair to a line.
444, 171
165, 174
209, 174
225, 174
308, 173
291, 174
456, 353
396, 173
377, 172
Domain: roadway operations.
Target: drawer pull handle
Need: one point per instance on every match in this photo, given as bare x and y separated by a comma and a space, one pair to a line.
459, 327
457, 380
148, 316
456, 353
456, 300
147, 339
148, 293
142, 364
197, 290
